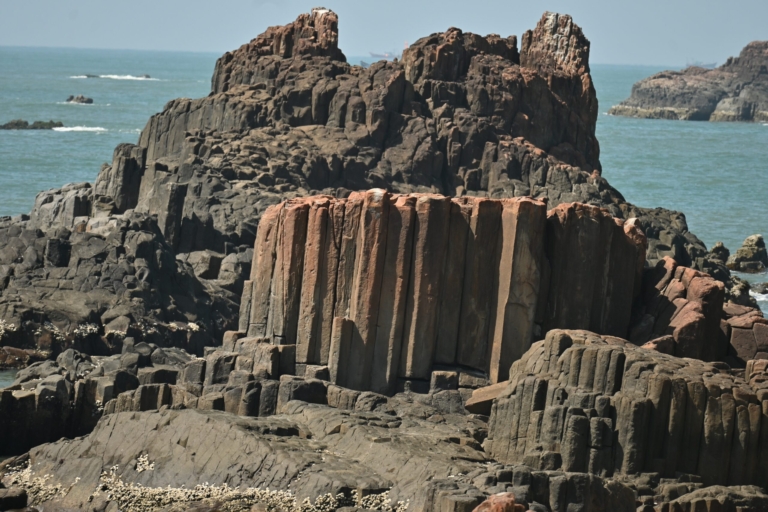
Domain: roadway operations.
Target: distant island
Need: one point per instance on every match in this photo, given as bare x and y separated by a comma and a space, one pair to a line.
735, 91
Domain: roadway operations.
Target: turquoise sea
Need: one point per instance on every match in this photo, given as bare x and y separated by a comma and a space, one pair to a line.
714, 172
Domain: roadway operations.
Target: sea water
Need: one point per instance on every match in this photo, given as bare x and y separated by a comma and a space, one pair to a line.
6, 378
713, 172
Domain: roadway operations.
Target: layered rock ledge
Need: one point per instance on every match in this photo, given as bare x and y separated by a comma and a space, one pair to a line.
735, 91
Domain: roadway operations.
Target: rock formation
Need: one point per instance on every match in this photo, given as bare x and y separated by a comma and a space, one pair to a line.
584, 420
579, 402
20, 124
382, 288
386, 234
735, 91
460, 115
80, 99
751, 256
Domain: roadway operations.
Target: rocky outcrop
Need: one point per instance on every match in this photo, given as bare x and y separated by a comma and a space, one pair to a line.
417, 449
686, 304
735, 91
461, 115
585, 403
751, 256
585, 420
99, 280
20, 124
66, 398
382, 288
80, 99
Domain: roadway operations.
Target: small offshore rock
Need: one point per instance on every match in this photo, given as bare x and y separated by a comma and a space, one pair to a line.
80, 99
20, 124
751, 256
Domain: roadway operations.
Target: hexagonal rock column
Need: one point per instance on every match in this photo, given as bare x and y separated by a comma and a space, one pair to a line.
381, 288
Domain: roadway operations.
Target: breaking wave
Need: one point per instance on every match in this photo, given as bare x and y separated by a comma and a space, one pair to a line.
119, 77
80, 129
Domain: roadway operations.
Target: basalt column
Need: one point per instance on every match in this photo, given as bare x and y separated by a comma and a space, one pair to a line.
429, 245
479, 275
366, 288
594, 269
284, 301
394, 289
318, 291
521, 243
382, 288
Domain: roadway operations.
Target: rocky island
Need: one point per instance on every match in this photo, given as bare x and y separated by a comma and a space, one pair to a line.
735, 91
404, 287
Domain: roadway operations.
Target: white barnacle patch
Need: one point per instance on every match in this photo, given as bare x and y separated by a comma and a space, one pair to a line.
131, 497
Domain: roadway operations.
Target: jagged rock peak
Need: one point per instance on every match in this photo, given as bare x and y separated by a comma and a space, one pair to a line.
753, 57
447, 56
315, 34
556, 42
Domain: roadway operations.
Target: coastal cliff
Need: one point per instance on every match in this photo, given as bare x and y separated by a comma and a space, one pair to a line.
400, 287
165, 235
735, 91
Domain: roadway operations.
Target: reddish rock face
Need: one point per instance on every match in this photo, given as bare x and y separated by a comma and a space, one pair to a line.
596, 262
382, 287
502, 502
685, 304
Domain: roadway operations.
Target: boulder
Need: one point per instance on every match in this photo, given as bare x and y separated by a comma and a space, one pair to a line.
80, 99
751, 256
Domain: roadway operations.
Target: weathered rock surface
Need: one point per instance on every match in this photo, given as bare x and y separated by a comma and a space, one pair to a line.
382, 288
429, 459
751, 256
735, 91
581, 402
104, 279
460, 115
586, 421
65, 398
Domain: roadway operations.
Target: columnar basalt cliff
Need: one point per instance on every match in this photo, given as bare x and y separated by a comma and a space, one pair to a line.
585, 403
735, 91
460, 115
382, 288
407, 243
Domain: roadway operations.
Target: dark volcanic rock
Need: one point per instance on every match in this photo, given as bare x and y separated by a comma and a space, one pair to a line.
735, 91
166, 234
80, 99
109, 278
20, 124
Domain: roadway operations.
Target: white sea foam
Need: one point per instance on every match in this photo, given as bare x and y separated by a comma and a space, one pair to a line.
118, 77
80, 129
129, 77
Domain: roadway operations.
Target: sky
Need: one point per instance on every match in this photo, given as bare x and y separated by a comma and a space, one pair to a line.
638, 32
